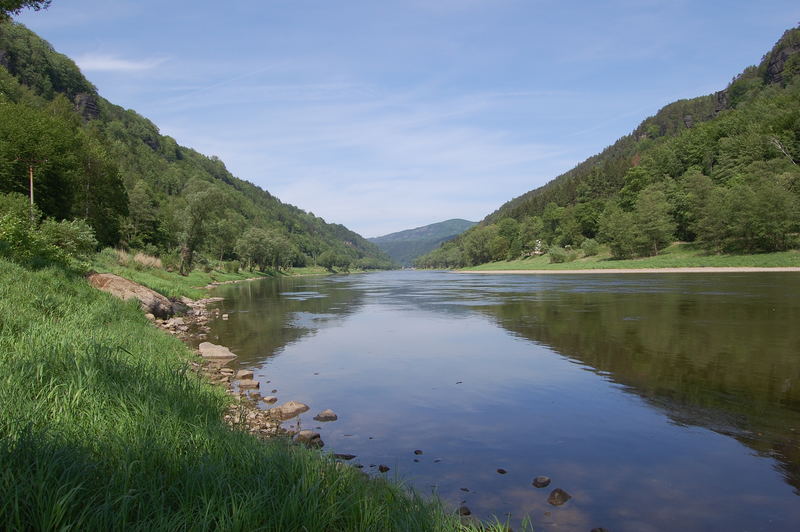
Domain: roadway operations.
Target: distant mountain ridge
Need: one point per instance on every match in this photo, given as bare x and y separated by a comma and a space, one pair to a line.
405, 246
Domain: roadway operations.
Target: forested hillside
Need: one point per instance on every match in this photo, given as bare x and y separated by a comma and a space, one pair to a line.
405, 246
139, 189
719, 170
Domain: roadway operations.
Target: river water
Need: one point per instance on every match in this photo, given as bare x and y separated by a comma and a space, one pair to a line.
657, 401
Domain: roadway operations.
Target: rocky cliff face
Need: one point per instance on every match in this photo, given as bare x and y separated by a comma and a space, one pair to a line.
776, 63
86, 106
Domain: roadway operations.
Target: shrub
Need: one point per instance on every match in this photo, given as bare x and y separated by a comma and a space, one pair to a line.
590, 247
559, 255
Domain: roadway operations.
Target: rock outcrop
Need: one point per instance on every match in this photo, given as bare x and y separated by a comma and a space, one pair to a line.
151, 301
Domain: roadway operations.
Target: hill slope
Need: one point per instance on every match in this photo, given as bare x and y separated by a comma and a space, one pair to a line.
405, 246
136, 187
721, 170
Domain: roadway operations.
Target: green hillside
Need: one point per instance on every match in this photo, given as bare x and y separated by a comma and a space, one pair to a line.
135, 187
404, 246
719, 170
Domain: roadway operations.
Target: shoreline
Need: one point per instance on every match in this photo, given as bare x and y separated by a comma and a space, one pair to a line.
689, 269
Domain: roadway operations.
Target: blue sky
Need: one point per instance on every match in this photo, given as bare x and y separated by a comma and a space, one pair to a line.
385, 115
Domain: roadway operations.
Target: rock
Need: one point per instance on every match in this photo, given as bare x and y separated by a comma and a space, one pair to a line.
342, 456
150, 317
150, 301
288, 410
209, 350
558, 497
224, 316
326, 415
501, 471
309, 438
226, 371
270, 399
464, 510
383, 469
244, 374
85, 104
600, 529
418, 451
248, 383
541, 482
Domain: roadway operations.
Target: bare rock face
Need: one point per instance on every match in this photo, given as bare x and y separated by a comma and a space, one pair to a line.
309, 438
326, 415
86, 106
209, 350
288, 410
151, 301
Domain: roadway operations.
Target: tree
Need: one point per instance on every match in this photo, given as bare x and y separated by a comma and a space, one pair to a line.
617, 228
654, 223
14, 7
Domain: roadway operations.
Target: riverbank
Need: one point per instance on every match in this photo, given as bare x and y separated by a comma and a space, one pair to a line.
709, 269
677, 258
104, 426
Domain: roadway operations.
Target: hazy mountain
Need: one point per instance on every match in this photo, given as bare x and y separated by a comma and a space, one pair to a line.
405, 246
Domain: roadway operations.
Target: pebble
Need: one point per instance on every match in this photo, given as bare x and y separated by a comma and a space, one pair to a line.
418, 451
502, 471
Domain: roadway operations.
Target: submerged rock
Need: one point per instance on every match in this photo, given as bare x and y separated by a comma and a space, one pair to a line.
343, 456
501, 471
464, 510
209, 350
418, 451
270, 399
558, 497
309, 438
541, 482
326, 415
383, 469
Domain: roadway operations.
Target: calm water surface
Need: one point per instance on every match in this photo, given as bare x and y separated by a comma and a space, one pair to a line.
659, 402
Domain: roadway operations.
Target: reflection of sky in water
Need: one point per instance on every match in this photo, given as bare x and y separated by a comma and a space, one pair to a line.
416, 360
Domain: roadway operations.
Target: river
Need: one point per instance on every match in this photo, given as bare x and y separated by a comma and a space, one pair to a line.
657, 401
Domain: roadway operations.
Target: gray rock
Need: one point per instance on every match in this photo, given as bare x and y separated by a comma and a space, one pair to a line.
249, 383
326, 415
270, 399
309, 438
288, 410
209, 350
558, 497
541, 482
244, 374
151, 301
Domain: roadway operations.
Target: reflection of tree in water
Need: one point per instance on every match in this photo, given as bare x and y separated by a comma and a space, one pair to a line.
266, 316
730, 364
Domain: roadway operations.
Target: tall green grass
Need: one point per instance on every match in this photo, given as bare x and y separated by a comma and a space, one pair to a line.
103, 427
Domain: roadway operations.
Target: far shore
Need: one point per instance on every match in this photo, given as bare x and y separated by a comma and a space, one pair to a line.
707, 269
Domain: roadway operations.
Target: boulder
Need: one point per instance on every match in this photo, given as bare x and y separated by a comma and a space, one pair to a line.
270, 399
309, 438
151, 301
209, 350
249, 383
326, 415
541, 482
288, 410
558, 497
244, 374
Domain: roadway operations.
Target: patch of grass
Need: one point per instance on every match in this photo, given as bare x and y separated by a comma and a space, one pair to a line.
678, 255
103, 427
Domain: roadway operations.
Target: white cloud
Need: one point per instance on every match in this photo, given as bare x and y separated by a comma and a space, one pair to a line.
109, 63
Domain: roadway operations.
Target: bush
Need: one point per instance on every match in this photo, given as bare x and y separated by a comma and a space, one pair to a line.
559, 255
30, 241
590, 247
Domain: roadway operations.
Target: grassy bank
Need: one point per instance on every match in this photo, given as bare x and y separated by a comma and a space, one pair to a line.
172, 284
102, 427
679, 255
